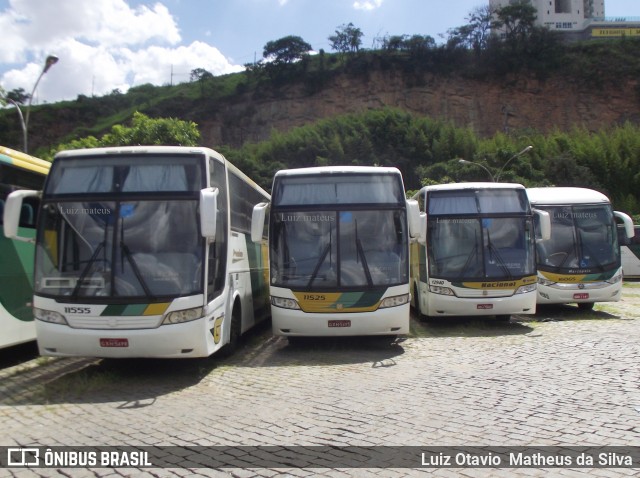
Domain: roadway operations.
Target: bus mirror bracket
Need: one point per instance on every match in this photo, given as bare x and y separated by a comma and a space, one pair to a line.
627, 222
11, 214
417, 221
208, 212
545, 224
258, 218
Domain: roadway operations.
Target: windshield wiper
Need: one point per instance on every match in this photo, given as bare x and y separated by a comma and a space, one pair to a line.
86, 270
472, 254
496, 254
136, 270
360, 251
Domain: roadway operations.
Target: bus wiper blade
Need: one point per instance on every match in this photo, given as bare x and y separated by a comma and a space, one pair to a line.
472, 254
498, 257
85, 271
319, 264
136, 270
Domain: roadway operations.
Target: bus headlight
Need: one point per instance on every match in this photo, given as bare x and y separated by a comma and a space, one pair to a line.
523, 289
436, 289
181, 316
284, 303
615, 279
49, 316
543, 281
394, 301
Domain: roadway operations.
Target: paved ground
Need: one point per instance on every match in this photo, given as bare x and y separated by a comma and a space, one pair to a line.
565, 379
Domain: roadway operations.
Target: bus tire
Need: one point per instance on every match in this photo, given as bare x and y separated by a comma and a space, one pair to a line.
234, 331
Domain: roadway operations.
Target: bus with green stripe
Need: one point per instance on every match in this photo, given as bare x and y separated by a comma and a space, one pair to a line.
580, 262
18, 171
145, 252
339, 251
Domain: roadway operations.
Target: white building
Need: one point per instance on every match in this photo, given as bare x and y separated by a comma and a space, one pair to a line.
579, 19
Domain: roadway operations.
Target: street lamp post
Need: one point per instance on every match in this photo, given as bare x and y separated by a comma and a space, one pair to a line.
525, 150
24, 120
496, 178
464, 161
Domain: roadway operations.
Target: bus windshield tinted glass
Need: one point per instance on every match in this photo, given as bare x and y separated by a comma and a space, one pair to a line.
469, 201
119, 249
582, 237
130, 174
480, 248
338, 189
335, 249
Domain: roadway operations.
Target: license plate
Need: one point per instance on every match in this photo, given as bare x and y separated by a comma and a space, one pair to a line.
581, 295
114, 342
339, 323
484, 306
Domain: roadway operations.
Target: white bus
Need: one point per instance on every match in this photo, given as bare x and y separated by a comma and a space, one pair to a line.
18, 171
339, 251
630, 253
144, 252
479, 256
580, 262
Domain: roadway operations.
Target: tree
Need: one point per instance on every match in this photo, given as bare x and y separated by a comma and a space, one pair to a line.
143, 131
475, 34
517, 19
347, 39
18, 95
200, 74
286, 50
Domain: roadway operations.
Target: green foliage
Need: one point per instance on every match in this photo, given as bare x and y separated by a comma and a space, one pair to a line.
286, 50
428, 151
143, 131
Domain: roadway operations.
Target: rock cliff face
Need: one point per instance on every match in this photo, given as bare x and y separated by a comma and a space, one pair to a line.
485, 107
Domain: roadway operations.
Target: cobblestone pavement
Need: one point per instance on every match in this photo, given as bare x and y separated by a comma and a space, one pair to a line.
566, 378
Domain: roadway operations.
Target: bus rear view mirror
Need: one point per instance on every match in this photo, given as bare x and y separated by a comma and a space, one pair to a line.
257, 221
208, 212
627, 223
545, 224
417, 221
12, 211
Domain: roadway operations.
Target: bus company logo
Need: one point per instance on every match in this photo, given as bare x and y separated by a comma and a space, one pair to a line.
306, 218
23, 457
575, 215
94, 211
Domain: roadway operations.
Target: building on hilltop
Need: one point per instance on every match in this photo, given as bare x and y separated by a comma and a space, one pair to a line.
578, 19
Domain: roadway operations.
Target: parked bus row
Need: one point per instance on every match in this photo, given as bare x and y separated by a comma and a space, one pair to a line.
174, 252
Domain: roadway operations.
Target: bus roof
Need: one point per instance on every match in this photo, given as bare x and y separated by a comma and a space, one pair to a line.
478, 185
565, 196
337, 170
133, 150
24, 161
137, 150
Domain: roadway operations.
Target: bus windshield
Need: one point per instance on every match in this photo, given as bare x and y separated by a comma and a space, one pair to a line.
582, 237
480, 248
110, 229
335, 249
479, 234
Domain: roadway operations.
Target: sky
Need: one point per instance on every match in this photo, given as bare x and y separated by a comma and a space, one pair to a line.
104, 45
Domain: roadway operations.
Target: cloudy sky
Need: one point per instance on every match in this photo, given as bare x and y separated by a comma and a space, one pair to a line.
107, 44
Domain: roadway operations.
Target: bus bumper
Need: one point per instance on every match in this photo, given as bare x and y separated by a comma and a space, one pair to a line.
184, 340
571, 293
451, 306
390, 321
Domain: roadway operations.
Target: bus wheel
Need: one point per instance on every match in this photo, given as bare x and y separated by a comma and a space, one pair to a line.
586, 305
234, 333
416, 307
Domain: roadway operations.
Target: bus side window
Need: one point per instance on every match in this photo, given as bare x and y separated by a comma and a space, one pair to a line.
217, 249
